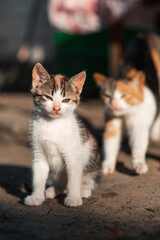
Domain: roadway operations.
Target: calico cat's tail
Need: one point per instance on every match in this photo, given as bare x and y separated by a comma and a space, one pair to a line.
155, 130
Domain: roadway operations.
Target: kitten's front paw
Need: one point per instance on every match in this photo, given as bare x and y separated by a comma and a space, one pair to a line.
50, 193
107, 169
86, 192
73, 202
140, 168
34, 200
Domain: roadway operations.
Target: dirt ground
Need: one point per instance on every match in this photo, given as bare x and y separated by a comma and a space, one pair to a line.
124, 206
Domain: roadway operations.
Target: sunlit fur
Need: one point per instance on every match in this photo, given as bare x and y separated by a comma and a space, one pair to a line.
64, 153
129, 103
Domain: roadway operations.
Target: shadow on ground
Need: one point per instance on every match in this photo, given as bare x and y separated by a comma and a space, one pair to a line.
100, 217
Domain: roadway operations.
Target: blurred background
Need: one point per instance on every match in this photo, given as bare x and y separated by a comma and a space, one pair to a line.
68, 36
65, 36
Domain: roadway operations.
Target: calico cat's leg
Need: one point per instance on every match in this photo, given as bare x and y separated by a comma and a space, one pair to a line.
74, 171
139, 138
40, 170
111, 144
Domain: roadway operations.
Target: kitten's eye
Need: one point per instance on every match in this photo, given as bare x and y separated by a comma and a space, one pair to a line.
66, 100
48, 97
124, 95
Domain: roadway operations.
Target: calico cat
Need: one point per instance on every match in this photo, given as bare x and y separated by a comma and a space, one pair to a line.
65, 154
131, 103
144, 54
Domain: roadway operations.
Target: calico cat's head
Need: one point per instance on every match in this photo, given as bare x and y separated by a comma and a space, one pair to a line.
55, 95
119, 96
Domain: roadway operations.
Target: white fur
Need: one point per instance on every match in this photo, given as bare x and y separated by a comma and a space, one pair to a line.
51, 139
138, 120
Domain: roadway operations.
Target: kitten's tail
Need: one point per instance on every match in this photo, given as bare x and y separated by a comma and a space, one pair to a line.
155, 130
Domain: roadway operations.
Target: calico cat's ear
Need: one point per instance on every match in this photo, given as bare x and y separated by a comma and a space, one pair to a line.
131, 73
39, 75
139, 79
77, 81
100, 78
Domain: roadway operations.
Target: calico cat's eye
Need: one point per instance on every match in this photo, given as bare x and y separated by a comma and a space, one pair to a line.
66, 100
107, 95
124, 95
48, 97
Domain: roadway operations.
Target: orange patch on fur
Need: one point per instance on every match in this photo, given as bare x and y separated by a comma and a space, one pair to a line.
58, 78
156, 60
131, 73
110, 130
135, 95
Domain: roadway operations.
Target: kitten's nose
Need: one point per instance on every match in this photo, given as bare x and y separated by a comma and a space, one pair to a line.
56, 108
114, 104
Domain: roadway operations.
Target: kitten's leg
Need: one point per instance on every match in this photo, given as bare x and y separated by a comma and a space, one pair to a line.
40, 170
74, 171
139, 138
86, 191
56, 184
52, 192
111, 144
89, 183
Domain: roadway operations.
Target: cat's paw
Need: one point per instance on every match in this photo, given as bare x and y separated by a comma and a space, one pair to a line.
140, 168
107, 169
33, 200
50, 193
86, 192
73, 201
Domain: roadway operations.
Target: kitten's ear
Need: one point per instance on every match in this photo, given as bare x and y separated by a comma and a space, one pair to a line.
39, 75
100, 78
78, 81
139, 79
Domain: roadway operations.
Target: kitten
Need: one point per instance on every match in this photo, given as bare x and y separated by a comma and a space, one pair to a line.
65, 154
128, 101
132, 103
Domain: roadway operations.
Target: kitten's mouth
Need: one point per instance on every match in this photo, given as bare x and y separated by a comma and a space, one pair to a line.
55, 113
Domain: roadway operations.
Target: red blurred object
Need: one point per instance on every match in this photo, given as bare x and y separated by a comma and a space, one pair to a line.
85, 16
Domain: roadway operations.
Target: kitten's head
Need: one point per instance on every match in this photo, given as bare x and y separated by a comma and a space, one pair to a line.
119, 96
55, 95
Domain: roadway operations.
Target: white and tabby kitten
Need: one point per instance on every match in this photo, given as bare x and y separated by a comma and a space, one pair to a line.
65, 154
133, 104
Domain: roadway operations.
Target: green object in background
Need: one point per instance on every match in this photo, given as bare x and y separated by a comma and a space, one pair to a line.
75, 53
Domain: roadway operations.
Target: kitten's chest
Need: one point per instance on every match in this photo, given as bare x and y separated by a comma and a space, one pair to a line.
58, 132
53, 138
